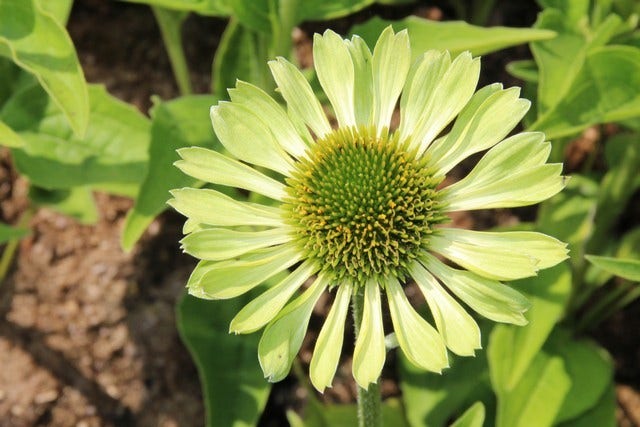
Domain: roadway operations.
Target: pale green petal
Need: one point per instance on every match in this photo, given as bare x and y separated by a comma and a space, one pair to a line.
460, 332
214, 208
191, 225
217, 244
326, 354
299, 96
266, 306
478, 127
419, 341
546, 250
195, 277
228, 279
504, 262
391, 61
369, 353
453, 92
419, 97
489, 298
513, 173
521, 188
282, 338
334, 68
245, 135
273, 115
211, 166
363, 85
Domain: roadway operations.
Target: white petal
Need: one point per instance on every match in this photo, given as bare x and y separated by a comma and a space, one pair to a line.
228, 279
369, 353
419, 97
248, 138
217, 244
326, 354
282, 338
332, 61
479, 126
272, 114
363, 81
391, 61
489, 298
214, 208
419, 341
452, 94
299, 96
460, 332
266, 306
211, 166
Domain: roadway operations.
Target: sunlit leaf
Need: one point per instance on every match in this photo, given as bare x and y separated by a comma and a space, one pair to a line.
40, 45
626, 268
75, 202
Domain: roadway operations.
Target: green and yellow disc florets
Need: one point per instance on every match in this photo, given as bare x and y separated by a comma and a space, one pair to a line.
363, 205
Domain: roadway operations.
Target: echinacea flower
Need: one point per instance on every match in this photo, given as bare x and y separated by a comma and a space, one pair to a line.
358, 208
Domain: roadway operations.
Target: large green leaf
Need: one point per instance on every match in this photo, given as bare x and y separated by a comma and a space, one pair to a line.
75, 202
182, 122
512, 349
235, 391
537, 396
590, 369
40, 45
432, 399
59, 9
203, 7
603, 414
455, 36
606, 89
627, 268
111, 156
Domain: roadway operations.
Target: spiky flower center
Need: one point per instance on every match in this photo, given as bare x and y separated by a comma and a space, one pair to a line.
362, 205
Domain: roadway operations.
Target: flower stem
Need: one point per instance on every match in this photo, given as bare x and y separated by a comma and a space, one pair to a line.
369, 400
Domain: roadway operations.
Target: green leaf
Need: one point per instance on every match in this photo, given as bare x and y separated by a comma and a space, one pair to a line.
235, 392
321, 10
568, 216
626, 268
525, 70
11, 233
319, 415
537, 396
455, 36
111, 156
590, 369
76, 202
203, 7
59, 9
241, 55
473, 417
432, 399
40, 45
512, 349
618, 185
9, 138
603, 414
182, 122
606, 89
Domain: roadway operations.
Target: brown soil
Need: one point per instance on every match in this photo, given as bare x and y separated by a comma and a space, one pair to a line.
87, 331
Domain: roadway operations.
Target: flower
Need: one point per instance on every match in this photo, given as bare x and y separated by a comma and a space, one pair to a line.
360, 209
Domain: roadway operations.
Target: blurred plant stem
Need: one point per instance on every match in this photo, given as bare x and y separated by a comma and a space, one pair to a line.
12, 245
170, 23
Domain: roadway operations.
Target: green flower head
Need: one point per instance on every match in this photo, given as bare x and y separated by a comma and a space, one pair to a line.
360, 209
